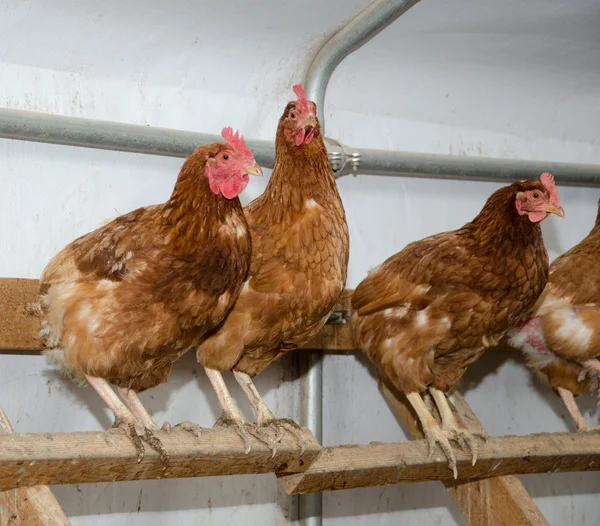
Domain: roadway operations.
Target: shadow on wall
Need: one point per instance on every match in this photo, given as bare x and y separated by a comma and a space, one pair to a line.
211, 496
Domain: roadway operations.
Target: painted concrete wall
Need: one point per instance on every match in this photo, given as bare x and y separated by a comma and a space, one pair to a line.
520, 79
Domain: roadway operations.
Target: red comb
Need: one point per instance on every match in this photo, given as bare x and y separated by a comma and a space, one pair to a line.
236, 141
302, 100
547, 180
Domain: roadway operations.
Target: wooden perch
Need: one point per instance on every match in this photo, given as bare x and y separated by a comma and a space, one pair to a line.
19, 329
346, 467
499, 501
72, 458
35, 506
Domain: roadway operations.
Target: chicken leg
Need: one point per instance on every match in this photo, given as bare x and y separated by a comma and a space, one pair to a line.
264, 416
433, 432
450, 426
231, 416
571, 405
133, 402
125, 420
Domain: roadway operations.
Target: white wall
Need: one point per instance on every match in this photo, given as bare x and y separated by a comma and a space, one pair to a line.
520, 79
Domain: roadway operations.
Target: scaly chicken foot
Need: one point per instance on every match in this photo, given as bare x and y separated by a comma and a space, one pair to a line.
126, 421
232, 417
433, 432
264, 416
246, 430
454, 431
133, 402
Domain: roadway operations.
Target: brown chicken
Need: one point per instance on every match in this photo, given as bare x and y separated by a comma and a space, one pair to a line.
561, 341
298, 270
432, 309
122, 303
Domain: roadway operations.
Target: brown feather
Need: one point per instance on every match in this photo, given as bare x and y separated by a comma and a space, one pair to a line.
299, 262
432, 309
126, 300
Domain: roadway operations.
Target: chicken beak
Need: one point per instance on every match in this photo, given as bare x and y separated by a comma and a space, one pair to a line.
254, 170
558, 210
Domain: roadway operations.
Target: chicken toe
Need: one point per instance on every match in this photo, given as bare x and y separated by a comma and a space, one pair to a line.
126, 421
131, 427
190, 427
433, 432
246, 430
264, 416
232, 417
283, 425
453, 430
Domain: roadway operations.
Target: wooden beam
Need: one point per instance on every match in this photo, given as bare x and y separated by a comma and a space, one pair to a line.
499, 501
35, 506
70, 458
19, 329
358, 466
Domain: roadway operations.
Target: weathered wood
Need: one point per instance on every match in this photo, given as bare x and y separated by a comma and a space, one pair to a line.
346, 467
69, 458
498, 501
19, 329
35, 506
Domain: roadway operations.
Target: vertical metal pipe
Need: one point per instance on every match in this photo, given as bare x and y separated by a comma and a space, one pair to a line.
350, 37
310, 507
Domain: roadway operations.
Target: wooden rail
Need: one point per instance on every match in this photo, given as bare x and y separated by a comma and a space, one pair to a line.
73, 458
69, 458
19, 329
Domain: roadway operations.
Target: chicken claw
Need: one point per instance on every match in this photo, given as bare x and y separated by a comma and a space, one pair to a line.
281, 425
136, 432
265, 418
246, 430
436, 435
190, 427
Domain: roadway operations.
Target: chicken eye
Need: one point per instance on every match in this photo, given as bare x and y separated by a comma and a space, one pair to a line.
536, 195
225, 157
292, 115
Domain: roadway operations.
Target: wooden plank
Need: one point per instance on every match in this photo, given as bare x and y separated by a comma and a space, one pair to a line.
499, 501
19, 329
358, 466
73, 458
35, 506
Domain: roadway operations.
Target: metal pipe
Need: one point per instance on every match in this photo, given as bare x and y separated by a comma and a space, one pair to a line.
310, 506
364, 26
439, 166
108, 135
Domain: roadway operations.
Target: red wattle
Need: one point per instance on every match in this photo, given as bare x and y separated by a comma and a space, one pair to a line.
309, 136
